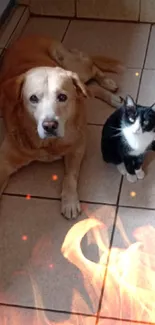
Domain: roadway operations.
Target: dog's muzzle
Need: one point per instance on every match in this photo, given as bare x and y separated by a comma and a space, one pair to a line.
50, 127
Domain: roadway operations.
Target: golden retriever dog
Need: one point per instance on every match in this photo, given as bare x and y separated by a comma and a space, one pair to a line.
42, 90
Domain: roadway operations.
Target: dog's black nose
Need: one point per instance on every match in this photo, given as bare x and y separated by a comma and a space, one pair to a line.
50, 126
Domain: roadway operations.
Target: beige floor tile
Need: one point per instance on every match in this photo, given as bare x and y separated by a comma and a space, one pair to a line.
18, 316
116, 322
98, 111
95, 177
125, 10
150, 62
124, 41
10, 26
53, 7
35, 270
129, 288
147, 12
49, 27
147, 94
20, 27
141, 193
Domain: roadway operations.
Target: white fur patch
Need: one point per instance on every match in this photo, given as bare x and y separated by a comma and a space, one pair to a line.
140, 173
131, 178
137, 140
121, 168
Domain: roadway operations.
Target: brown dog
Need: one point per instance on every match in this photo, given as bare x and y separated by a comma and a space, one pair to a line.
42, 106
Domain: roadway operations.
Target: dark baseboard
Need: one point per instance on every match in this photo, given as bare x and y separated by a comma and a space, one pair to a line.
7, 11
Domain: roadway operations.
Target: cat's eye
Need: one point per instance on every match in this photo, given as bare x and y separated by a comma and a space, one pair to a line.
131, 119
146, 123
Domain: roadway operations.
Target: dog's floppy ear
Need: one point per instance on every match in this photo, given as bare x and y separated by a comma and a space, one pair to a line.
12, 88
80, 86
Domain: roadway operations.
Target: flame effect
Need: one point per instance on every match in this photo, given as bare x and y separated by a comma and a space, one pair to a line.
130, 281
129, 292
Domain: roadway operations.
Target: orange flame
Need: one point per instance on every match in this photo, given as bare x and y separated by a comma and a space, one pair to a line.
130, 281
129, 291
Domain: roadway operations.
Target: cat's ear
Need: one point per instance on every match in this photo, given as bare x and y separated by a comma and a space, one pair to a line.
153, 107
129, 102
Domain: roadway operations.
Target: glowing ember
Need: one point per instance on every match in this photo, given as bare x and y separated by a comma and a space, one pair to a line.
24, 237
137, 74
51, 266
28, 197
132, 194
54, 177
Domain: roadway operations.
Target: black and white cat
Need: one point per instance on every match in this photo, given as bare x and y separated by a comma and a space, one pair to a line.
127, 135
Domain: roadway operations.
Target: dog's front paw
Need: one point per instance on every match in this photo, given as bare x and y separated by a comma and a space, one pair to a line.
70, 208
116, 101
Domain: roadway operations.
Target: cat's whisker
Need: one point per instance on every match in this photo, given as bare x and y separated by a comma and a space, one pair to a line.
116, 135
117, 129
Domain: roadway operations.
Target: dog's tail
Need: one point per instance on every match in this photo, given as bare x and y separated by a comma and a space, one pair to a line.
108, 64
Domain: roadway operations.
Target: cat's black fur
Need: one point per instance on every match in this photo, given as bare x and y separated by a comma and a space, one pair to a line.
114, 146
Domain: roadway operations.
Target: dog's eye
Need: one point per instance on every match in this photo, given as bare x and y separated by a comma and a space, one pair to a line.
34, 99
62, 98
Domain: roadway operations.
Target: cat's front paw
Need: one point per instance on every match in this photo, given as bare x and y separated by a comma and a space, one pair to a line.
140, 173
131, 178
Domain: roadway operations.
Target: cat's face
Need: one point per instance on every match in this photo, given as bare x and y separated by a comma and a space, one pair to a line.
140, 118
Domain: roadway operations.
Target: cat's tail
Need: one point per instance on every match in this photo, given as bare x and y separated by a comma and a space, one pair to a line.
108, 64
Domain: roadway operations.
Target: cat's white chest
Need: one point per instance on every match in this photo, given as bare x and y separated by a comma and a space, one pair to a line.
138, 142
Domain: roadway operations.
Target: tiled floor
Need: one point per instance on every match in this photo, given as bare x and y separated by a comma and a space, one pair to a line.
57, 272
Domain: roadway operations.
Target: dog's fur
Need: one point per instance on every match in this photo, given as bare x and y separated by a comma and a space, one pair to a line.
42, 67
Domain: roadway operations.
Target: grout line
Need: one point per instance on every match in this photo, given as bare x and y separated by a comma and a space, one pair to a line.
66, 30
126, 320
55, 199
75, 7
23, 196
16, 195
119, 192
149, 69
135, 207
91, 19
46, 309
109, 253
147, 46
139, 11
22, 29
72, 313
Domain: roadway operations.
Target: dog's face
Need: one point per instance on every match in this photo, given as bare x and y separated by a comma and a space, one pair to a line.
50, 95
